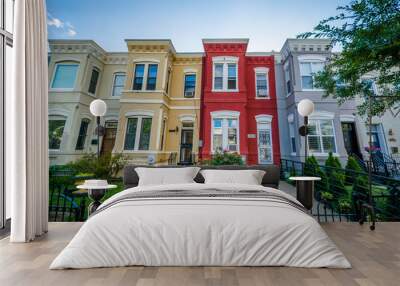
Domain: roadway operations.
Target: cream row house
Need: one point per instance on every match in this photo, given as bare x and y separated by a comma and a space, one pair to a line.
152, 94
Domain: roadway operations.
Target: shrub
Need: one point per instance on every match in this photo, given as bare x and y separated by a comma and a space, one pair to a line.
106, 167
312, 168
224, 158
352, 170
336, 177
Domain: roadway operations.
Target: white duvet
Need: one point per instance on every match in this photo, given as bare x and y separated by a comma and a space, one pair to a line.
200, 231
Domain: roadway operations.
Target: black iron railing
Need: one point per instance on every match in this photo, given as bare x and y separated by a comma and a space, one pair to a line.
340, 193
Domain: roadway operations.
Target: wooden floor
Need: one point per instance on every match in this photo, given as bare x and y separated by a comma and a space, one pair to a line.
375, 257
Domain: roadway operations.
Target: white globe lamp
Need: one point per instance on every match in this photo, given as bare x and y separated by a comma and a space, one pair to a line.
305, 107
98, 107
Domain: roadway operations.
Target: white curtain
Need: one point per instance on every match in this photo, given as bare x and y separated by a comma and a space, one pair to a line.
26, 120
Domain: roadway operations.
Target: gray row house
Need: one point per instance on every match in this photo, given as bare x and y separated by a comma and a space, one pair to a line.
334, 128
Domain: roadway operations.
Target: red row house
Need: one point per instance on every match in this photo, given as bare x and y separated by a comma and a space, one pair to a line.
239, 110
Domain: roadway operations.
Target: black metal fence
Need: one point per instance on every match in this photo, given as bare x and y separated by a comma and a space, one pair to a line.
340, 193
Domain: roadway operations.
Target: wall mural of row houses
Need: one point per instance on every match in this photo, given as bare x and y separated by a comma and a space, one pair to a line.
166, 106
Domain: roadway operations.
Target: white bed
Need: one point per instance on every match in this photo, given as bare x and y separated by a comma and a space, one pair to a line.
202, 231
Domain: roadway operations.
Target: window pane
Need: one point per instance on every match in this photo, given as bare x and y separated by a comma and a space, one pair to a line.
314, 144
65, 76
326, 127
231, 76
312, 127
138, 79
329, 144
217, 123
262, 89
317, 67
307, 82
56, 130
80, 144
119, 82
130, 134
145, 131
190, 84
305, 69
152, 77
218, 76
93, 81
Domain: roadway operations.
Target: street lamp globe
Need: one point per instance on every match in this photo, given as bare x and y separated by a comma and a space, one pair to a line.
98, 107
305, 107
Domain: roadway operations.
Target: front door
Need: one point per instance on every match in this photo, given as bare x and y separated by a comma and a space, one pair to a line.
264, 144
109, 137
350, 138
186, 146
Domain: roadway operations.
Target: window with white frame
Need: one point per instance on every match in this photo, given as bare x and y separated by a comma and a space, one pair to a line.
190, 85
118, 83
65, 76
56, 131
225, 74
145, 76
262, 87
138, 133
264, 136
288, 83
225, 133
321, 137
308, 69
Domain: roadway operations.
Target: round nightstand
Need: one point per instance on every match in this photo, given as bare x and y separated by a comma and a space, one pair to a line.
305, 190
96, 189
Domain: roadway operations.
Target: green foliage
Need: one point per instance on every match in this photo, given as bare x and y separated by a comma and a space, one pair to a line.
224, 158
336, 177
345, 205
327, 196
352, 170
312, 168
105, 167
368, 32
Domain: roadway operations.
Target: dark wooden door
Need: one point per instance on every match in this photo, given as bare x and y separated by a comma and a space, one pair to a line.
186, 146
109, 138
350, 138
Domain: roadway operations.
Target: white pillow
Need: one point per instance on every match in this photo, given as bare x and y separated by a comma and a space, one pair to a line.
248, 177
166, 176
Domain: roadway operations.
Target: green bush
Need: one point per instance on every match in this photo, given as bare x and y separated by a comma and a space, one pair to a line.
106, 167
224, 158
312, 168
336, 176
352, 170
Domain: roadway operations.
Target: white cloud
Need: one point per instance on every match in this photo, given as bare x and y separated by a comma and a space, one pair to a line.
63, 28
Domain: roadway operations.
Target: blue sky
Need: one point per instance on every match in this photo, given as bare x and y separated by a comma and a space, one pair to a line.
267, 23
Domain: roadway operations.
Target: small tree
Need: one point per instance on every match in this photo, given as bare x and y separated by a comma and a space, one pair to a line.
336, 176
105, 167
368, 32
224, 158
352, 170
312, 168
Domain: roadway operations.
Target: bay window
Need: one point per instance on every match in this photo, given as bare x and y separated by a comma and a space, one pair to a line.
307, 71
225, 134
145, 76
225, 74
138, 133
65, 76
321, 137
288, 82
